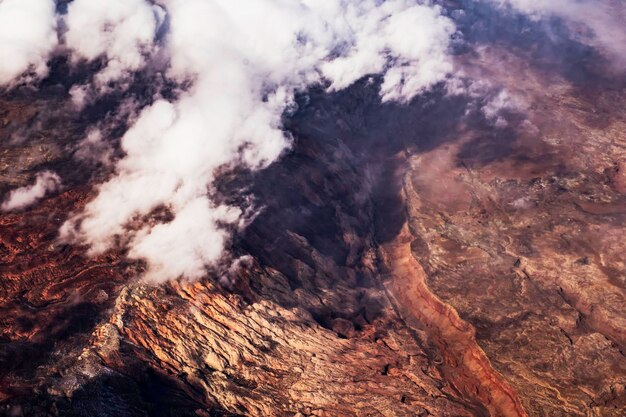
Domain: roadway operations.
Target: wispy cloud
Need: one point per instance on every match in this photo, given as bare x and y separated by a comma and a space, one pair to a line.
603, 20
23, 197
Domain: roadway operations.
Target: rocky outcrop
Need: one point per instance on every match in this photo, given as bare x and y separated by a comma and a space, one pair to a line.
464, 363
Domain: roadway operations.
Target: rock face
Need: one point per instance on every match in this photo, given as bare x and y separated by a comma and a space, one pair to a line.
410, 260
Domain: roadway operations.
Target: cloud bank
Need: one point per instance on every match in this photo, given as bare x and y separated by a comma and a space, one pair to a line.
27, 38
23, 197
236, 67
244, 61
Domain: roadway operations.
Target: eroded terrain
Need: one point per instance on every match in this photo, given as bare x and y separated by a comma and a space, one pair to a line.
420, 259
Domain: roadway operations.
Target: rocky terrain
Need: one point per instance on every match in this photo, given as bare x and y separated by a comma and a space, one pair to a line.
421, 259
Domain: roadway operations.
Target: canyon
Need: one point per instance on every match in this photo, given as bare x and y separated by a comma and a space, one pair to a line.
419, 259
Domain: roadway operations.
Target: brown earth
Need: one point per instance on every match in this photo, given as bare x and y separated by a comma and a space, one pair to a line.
411, 262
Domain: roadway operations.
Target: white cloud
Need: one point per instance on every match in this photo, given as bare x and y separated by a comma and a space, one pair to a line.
495, 106
79, 96
186, 245
492, 102
246, 59
122, 31
94, 149
27, 37
45, 182
386, 31
604, 18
